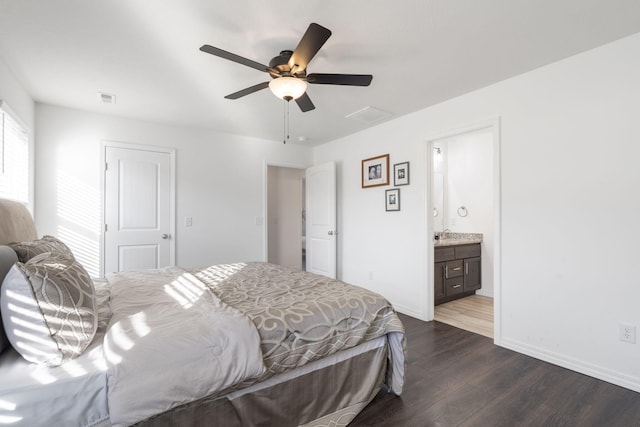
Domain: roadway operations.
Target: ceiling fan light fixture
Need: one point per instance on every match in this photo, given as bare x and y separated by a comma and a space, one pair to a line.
288, 88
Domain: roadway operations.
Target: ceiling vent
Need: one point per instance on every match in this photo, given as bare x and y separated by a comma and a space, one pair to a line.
369, 115
106, 98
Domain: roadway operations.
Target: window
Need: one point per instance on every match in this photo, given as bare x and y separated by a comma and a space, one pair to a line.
14, 156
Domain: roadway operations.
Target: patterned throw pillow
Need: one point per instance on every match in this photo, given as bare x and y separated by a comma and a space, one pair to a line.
48, 309
27, 250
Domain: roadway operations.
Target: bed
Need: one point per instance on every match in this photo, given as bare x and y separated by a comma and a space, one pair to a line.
244, 344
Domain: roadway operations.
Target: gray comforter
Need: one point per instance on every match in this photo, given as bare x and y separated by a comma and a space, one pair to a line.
176, 336
302, 317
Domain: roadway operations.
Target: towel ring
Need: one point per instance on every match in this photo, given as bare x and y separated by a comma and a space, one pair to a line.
462, 211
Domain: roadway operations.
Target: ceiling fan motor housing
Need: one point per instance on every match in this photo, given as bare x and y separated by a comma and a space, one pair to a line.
281, 63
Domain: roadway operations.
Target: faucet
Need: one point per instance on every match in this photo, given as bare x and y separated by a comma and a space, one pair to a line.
438, 235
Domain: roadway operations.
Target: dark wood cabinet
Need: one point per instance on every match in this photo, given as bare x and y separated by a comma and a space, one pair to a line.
472, 277
457, 272
439, 282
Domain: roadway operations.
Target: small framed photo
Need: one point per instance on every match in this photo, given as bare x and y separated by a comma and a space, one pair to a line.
375, 171
392, 199
401, 174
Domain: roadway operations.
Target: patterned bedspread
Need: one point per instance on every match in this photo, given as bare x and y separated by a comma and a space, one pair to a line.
302, 317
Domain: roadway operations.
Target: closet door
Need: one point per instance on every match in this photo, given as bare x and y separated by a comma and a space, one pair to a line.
138, 205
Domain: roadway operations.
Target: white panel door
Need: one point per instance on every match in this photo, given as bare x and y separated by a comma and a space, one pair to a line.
321, 219
137, 209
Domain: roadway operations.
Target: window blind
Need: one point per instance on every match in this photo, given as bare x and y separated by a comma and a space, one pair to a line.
14, 156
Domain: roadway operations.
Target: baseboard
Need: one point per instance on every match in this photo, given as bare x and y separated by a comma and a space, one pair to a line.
485, 293
599, 372
408, 311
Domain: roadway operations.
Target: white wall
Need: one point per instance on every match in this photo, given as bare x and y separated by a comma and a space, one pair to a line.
219, 183
21, 104
569, 178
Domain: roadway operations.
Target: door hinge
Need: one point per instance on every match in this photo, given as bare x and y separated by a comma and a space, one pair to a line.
105, 228
106, 166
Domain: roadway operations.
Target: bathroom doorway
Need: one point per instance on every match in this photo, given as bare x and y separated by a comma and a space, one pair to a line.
286, 216
464, 205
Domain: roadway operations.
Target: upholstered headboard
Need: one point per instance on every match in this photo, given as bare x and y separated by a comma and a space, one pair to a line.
16, 223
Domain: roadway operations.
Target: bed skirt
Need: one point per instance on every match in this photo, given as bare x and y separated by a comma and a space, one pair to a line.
323, 394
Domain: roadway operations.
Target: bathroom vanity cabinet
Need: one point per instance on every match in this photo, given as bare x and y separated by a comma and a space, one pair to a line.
457, 271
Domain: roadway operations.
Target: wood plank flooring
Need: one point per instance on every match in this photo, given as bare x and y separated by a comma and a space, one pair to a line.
458, 378
473, 313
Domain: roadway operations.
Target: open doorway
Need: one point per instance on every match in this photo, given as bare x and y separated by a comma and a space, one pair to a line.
464, 198
286, 216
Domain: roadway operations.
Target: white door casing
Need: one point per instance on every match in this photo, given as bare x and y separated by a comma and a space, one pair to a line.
321, 219
138, 208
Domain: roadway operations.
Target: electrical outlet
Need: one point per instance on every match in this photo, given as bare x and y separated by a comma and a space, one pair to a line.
628, 333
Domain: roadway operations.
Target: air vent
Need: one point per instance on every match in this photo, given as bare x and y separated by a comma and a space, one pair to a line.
369, 115
106, 98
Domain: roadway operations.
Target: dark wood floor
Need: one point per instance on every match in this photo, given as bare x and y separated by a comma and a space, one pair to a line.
457, 378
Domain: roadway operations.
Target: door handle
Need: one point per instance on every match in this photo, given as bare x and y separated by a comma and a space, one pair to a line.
165, 236
332, 233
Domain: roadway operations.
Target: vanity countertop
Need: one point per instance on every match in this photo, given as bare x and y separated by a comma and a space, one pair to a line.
456, 239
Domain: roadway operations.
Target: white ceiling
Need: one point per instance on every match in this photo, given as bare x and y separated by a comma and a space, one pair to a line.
420, 52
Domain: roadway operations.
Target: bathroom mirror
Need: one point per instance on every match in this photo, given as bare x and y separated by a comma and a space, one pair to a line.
438, 202
438, 191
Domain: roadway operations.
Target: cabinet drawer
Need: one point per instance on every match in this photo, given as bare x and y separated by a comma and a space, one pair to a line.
444, 254
467, 251
454, 269
455, 286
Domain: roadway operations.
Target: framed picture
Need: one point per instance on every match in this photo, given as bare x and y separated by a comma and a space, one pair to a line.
375, 171
392, 199
401, 174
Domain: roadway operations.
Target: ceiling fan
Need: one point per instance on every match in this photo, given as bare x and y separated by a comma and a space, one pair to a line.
288, 70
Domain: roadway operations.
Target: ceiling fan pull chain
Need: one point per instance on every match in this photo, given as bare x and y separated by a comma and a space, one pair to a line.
284, 123
285, 130
288, 121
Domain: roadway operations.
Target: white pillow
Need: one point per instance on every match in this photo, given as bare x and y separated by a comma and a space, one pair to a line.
8, 257
48, 309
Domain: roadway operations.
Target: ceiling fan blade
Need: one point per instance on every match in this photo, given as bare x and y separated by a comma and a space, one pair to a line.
233, 57
340, 79
305, 104
311, 42
248, 91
